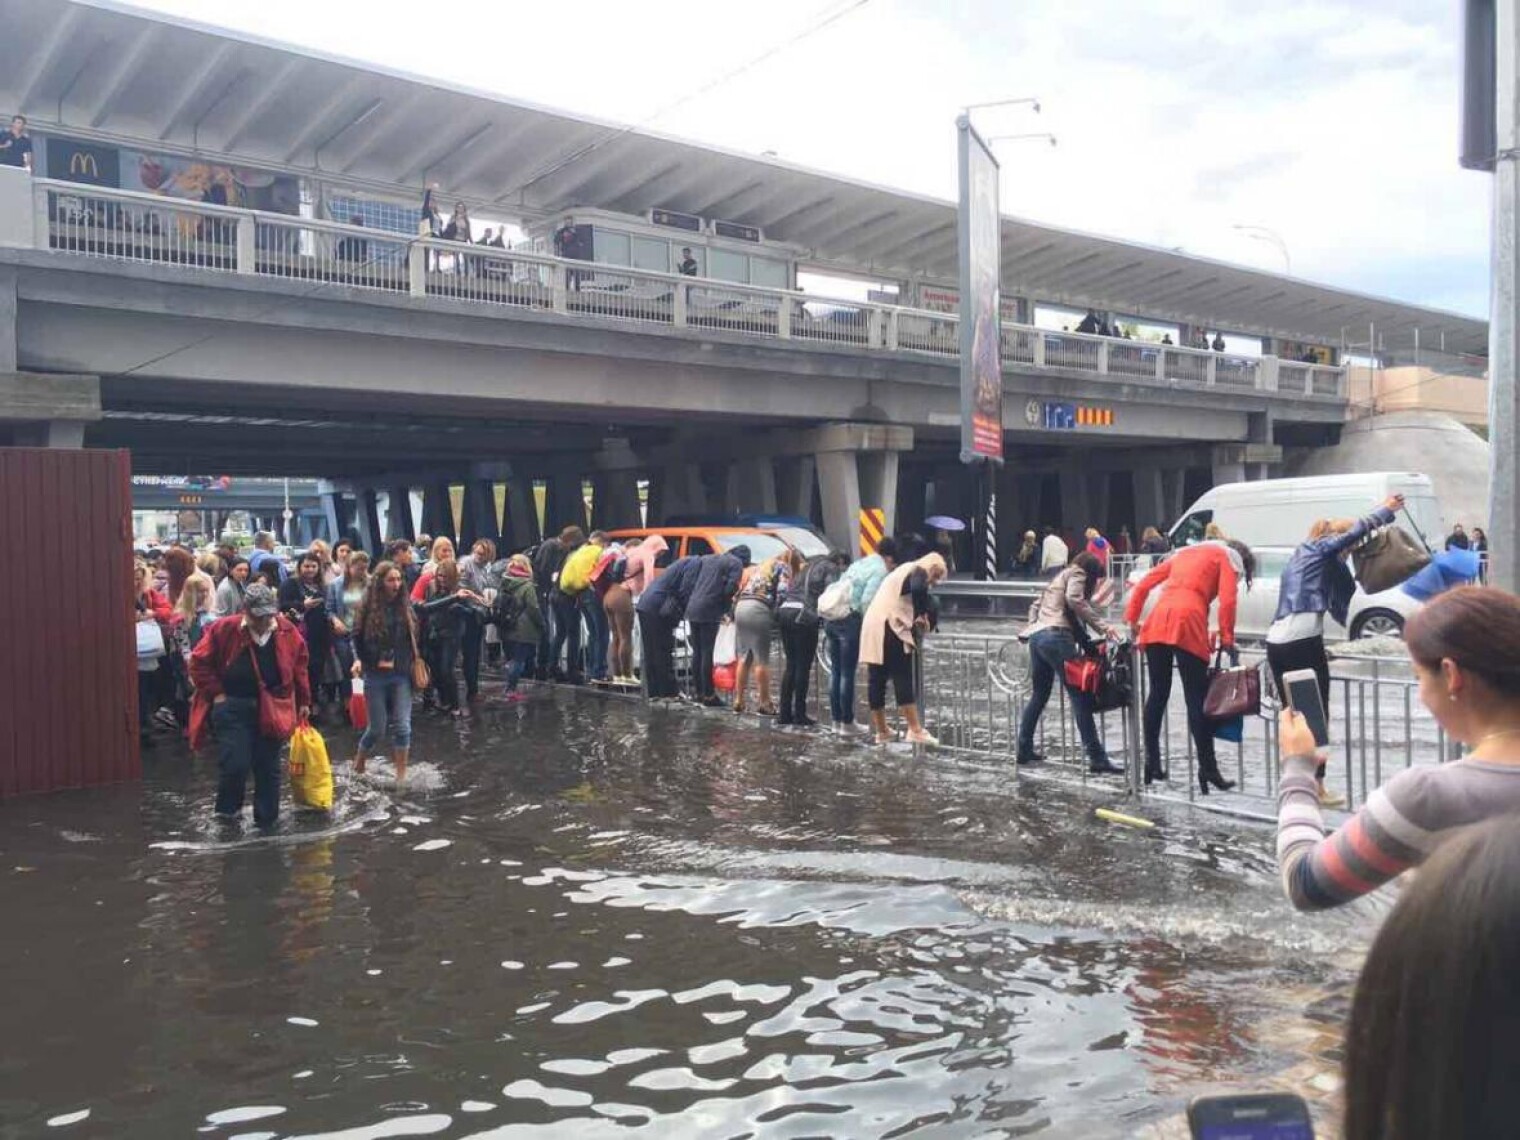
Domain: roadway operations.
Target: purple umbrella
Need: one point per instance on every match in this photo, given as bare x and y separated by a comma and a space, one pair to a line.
944, 522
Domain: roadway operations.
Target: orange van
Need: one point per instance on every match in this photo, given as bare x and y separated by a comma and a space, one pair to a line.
763, 542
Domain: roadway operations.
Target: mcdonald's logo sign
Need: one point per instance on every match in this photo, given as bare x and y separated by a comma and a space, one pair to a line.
82, 162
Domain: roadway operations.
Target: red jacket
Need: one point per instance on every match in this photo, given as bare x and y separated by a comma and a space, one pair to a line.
158, 605
1194, 577
223, 640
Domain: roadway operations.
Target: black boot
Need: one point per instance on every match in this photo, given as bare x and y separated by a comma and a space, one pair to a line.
1211, 776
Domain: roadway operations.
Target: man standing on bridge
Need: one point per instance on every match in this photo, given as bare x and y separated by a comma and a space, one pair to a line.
16, 144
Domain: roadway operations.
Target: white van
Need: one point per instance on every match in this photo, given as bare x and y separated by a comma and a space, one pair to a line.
1279, 512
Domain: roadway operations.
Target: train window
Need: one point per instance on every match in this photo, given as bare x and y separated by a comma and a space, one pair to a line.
652, 254
609, 247
771, 274
726, 266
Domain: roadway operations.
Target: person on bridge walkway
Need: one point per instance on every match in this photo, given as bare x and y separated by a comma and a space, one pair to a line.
660, 609
718, 579
1465, 646
1177, 631
571, 606
865, 577
797, 617
639, 559
1026, 563
1057, 634
238, 656
897, 615
1316, 581
755, 622
385, 642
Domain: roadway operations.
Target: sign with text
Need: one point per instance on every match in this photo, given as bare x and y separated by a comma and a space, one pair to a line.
980, 305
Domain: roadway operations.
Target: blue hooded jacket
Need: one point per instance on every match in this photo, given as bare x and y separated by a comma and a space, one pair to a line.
667, 595
717, 583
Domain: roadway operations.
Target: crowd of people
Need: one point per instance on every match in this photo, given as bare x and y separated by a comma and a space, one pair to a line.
1047, 554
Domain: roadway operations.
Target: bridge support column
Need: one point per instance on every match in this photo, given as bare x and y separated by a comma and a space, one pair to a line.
682, 491
1076, 504
520, 528
334, 508
751, 487
479, 513
857, 466
398, 515
1150, 500
564, 502
795, 480
615, 500
437, 510
367, 520
1173, 487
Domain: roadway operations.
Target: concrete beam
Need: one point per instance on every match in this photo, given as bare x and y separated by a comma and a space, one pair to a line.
26, 396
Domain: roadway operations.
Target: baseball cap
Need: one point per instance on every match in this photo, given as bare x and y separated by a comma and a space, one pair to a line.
258, 600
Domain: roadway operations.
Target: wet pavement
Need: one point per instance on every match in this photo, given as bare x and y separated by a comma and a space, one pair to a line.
587, 918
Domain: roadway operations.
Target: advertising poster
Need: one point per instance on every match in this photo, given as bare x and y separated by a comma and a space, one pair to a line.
980, 304
197, 181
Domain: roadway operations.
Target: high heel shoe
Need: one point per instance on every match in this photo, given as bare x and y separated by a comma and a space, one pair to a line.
1207, 778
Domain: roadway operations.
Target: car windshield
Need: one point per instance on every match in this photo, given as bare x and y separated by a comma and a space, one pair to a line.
805, 542
761, 546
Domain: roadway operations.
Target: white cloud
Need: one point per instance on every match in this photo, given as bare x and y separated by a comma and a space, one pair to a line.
1333, 123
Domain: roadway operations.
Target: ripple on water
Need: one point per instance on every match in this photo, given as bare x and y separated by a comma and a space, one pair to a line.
529, 1089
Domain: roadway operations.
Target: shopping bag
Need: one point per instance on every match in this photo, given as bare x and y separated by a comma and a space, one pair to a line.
726, 648
311, 781
726, 676
834, 602
150, 640
358, 707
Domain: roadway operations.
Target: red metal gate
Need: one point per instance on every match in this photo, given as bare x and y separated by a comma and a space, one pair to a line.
68, 681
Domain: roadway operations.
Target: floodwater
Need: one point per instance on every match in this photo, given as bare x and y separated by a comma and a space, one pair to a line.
589, 918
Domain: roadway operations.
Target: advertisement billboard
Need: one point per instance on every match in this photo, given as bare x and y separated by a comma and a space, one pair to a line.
980, 304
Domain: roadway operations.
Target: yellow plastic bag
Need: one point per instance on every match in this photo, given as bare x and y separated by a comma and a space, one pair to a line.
311, 781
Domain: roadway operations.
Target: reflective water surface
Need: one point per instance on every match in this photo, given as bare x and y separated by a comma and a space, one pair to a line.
585, 918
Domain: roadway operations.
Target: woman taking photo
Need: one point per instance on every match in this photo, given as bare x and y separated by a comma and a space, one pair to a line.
1177, 633
237, 659
1465, 646
303, 600
1315, 581
900, 611
385, 643
343, 600
229, 595
1052, 643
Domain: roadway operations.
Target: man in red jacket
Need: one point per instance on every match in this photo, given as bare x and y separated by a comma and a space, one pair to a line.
236, 658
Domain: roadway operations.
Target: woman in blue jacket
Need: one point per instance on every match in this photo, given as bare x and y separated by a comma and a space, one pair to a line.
1316, 581
712, 594
660, 609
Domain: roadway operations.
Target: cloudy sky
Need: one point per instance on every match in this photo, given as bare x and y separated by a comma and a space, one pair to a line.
1331, 122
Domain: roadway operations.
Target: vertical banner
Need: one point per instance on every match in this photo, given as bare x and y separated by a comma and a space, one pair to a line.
980, 279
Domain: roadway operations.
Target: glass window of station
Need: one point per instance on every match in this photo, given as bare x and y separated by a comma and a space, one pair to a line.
663, 255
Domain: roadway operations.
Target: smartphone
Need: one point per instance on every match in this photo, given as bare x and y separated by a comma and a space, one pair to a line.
1303, 696
1251, 1116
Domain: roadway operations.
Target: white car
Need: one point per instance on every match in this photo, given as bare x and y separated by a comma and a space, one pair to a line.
1370, 615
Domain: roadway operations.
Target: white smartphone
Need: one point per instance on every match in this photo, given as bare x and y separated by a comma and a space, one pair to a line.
1303, 696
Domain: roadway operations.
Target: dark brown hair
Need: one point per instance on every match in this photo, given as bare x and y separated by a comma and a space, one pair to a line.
1432, 1040
446, 577
371, 617
1089, 565
1478, 627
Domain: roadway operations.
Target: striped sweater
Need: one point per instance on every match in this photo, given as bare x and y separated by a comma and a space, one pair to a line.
1399, 826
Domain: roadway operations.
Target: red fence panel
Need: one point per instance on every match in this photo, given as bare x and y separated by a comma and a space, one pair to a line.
68, 680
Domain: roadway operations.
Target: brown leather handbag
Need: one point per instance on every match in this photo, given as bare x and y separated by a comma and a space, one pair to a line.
422, 676
1232, 692
1389, 558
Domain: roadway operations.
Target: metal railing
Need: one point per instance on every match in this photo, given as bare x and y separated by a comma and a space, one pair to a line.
129, 226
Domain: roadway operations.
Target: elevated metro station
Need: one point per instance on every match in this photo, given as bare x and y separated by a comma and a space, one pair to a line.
220, 262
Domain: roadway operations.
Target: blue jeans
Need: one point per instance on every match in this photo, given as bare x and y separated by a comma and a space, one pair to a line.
389, 699
596, 618
1049, 650
520, 656
241, 749
844, 660
567, 635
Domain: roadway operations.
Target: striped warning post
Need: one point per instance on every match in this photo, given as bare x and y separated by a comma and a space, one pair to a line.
992, 536
873, 526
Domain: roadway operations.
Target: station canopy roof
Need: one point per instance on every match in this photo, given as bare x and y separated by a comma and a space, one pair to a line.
99, 69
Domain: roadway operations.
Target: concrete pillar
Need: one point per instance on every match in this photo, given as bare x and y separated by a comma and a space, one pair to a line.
839, 485
1097, 499
479, 513
1150, 500
519, 529
1076, 507
7, 319
751, 487
398, 521
796, 477
682, 492
564, 504
437, 510
877, 474
1173, 488
367, 521
615, 500
51, 433
1227, 465
335, 509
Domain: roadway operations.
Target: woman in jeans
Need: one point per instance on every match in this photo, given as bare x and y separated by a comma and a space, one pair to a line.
385, 637
229, 594
1052, 643
865, 577
900, 611
446, 607
1317, 581
1177, 632
237, 657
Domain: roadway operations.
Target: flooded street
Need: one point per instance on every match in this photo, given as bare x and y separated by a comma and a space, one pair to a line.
590, 915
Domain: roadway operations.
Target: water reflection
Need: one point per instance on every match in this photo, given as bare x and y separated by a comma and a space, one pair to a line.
603, 917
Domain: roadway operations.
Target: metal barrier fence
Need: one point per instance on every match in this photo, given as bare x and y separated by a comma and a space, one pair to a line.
974, 690
120, 225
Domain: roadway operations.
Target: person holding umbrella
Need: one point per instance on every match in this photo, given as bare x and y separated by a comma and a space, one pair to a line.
944, 545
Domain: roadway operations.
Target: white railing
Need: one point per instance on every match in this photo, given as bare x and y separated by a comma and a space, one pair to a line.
123, 225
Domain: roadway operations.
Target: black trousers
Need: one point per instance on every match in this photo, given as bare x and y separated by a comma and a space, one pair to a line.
1291, 656
800, 641
474, 634
659, 649
1195, 687
897, 664
704, 639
